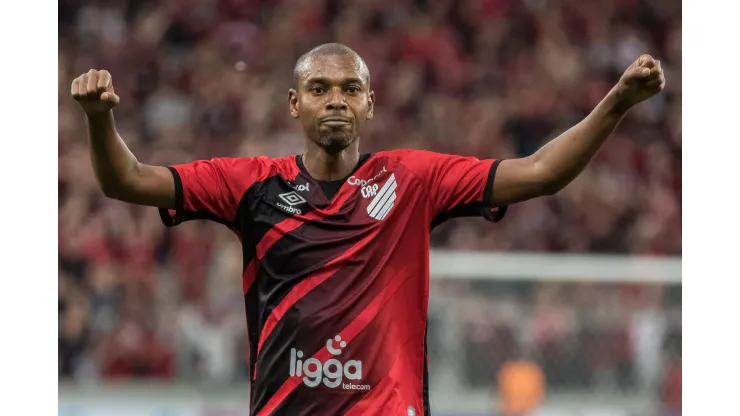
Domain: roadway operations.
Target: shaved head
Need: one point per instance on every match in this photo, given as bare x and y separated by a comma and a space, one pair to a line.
331, 96
304, 63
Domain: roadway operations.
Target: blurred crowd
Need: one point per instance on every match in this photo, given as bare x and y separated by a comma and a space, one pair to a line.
595, 337
489, 78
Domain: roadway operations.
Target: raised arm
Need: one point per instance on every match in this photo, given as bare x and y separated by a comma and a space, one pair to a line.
117, 170
561, 160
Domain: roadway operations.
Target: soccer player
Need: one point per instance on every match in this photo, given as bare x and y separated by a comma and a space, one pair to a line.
336, 242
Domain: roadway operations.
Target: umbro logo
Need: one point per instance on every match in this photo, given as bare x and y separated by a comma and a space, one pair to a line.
292, 199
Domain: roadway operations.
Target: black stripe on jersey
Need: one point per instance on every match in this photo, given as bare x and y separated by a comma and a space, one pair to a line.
475, 209
254, 220
303, 240
250, 235
273, 369
307, 255
304, 398
254, 217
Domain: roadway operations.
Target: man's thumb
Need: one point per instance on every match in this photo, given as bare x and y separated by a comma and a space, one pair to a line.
113, 98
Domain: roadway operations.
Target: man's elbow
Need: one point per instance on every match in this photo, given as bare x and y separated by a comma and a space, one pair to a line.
118, 186
120, 190
111, 191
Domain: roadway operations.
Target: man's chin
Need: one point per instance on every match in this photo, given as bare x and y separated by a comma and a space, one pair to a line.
335, 143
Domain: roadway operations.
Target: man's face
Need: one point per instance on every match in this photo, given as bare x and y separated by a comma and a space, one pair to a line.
333, 101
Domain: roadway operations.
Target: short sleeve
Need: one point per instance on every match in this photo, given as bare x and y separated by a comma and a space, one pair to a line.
458, 186
212, 189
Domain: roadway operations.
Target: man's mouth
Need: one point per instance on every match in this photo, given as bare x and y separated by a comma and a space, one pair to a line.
335, 121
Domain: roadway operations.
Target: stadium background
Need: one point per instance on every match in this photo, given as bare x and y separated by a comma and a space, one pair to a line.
151, 321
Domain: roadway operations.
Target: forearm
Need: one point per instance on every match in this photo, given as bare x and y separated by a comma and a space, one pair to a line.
114, 164
566, 156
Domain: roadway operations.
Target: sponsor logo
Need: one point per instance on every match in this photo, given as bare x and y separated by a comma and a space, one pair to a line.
383, 199
302, 188
410, 411
292, 199
332, 373
354, 180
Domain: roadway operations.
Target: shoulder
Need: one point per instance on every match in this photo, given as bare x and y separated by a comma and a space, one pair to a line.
417, 161
258, 167
420, 162
403, 155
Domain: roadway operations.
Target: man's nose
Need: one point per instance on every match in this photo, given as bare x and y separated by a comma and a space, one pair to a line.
336, 101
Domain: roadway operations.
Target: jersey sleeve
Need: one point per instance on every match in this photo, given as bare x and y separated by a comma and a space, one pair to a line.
458, 186
212, 189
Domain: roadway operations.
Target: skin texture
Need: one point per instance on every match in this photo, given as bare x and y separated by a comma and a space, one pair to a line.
333, 101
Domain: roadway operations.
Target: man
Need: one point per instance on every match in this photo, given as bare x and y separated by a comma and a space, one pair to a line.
336, 242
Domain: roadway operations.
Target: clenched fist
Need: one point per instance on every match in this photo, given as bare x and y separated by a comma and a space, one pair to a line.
94, 92
642, 80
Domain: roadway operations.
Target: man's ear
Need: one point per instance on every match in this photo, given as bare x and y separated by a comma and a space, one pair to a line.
293, 102
370, 105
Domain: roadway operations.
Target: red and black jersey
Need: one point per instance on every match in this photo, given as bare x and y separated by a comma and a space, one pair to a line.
336, 274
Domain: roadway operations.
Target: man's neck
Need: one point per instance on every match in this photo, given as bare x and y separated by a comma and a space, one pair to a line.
325, 166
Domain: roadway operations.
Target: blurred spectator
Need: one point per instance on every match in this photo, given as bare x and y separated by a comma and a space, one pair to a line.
671, 389
212, 337
135, 352
521, 388
648, 328
73, 334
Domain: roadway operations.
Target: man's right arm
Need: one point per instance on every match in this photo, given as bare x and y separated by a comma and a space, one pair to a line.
120, 174
117, 170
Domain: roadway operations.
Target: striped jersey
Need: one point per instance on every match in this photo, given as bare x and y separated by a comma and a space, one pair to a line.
336, 273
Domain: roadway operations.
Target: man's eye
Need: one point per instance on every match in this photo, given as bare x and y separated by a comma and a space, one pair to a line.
317, 90
353, 90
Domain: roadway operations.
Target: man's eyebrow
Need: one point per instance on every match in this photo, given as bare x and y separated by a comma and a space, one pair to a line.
353, 81
317, 80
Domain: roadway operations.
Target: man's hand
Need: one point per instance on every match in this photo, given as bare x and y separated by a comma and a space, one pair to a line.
94, 92
558, 162
642, 80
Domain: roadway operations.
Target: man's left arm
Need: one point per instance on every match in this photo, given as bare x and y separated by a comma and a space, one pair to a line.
561, 160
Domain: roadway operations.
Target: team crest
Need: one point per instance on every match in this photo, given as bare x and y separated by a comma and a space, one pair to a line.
383, 198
